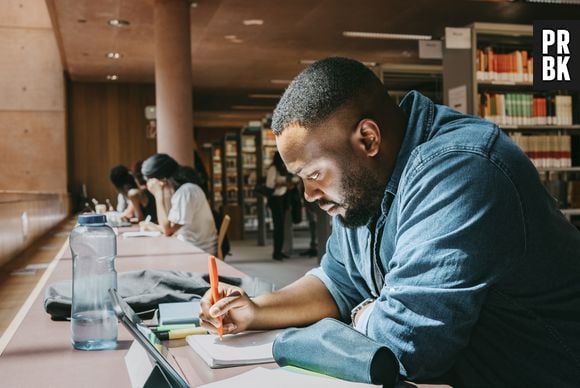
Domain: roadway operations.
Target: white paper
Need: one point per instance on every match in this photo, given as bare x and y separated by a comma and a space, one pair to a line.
139, 365
282, 378
237, 349
430, 49
457, 38
458, 98
145, 233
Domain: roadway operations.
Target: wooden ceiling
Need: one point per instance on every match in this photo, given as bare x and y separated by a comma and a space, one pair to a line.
225, 72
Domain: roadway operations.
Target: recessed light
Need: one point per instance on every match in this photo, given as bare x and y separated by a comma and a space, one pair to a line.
230, 37
193, 5
114, 55
119, 23
280, 81
380, 35
253, 22
112, 77
259, 95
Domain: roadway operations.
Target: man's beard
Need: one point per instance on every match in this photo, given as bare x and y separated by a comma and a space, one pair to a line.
363, 193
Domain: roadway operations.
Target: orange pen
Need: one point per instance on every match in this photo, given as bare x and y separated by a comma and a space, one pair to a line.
215, 294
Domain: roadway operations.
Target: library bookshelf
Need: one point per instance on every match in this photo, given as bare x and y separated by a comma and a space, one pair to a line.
496, 76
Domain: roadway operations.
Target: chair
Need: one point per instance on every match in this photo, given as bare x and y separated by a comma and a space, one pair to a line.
222, 235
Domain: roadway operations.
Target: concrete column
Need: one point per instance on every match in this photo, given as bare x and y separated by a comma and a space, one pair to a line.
173, 85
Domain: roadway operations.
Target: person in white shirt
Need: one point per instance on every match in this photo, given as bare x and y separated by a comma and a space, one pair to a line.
189, 216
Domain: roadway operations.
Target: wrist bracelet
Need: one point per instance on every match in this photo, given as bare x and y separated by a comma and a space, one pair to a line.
359, 307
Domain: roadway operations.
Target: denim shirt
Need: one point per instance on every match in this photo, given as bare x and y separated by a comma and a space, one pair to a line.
480, 271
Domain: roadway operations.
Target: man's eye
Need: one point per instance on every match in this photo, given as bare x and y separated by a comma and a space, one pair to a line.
314, 176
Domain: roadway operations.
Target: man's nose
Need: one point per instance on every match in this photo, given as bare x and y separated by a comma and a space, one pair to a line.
311, 192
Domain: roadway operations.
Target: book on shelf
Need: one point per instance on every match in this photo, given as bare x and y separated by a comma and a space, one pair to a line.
525, 108
546, 151
492, 66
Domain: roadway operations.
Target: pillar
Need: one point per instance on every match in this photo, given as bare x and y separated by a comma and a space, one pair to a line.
173, 84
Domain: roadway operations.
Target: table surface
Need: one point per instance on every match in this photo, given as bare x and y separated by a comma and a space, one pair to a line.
38, 351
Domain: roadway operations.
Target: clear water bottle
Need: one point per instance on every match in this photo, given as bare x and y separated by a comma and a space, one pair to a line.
94, 246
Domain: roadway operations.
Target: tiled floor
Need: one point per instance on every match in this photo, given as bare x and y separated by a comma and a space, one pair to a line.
257, 261
18, 278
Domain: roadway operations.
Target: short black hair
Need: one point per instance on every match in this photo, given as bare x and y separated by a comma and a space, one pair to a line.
120, 177
321, 89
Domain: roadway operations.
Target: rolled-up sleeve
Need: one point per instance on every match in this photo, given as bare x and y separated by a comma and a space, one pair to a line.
460, 227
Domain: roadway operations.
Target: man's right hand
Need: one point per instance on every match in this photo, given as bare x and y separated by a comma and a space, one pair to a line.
236, 308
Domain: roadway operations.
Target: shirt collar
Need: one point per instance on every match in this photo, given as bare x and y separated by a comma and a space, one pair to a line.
419, 111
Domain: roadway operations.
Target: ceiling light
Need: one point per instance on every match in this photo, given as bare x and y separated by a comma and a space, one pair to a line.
380, 35
113, 55
112, 77
252, 107
193, 5
253, 22
575, 2
280, 81
119, 23
230, 37
311, 61
258, 95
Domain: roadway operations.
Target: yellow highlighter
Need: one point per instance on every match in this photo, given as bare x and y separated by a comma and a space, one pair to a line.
179, 333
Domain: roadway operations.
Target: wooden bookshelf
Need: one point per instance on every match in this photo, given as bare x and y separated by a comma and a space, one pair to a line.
497, 74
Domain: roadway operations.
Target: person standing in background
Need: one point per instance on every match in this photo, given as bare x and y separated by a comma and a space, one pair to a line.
277, 179
189, 216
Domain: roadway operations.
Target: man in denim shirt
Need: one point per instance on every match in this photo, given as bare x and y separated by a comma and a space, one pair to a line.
469, 272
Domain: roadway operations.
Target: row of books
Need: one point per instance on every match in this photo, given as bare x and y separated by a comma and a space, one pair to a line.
546, 151
516, 66
525, 109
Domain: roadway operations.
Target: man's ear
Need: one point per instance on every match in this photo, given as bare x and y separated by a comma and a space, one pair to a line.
367, 137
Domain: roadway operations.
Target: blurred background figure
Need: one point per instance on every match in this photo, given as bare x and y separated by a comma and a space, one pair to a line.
278, 179
311, 216
133, 202
188, 215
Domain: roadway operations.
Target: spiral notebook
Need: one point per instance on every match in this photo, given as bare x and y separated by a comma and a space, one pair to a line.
233, 350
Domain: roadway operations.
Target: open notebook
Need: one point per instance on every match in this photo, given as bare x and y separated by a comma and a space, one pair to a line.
236, 349
283, 378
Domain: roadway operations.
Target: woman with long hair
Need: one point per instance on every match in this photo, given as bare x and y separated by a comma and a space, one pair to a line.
188, 216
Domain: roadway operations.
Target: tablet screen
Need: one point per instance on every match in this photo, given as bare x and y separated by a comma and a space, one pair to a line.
149, 341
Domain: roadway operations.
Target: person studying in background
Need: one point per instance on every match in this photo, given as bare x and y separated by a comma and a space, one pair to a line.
133, 201
447, 255
189, 217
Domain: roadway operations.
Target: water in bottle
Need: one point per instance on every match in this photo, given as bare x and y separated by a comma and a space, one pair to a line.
94, 247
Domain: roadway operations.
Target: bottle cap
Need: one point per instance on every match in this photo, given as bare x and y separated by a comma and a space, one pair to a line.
92, 219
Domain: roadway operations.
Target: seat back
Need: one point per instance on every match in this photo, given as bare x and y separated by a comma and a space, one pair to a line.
222, 235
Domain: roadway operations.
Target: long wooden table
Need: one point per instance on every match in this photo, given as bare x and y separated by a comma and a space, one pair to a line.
38, 351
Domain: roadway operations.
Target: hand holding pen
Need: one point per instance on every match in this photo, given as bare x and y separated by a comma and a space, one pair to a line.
233, 311
215, 295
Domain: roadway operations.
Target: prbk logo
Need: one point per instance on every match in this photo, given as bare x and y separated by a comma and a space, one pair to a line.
557, 55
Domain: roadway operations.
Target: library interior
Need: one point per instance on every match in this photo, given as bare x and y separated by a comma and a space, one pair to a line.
390, 191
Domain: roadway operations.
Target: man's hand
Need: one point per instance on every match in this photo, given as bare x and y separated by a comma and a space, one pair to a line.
236, 308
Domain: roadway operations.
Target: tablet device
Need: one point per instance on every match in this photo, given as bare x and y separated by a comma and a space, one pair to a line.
142, 334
